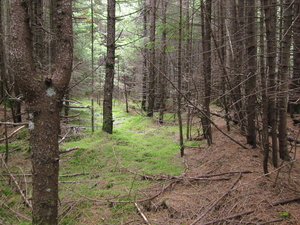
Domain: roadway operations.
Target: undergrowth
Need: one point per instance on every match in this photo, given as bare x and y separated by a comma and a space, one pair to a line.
103, 167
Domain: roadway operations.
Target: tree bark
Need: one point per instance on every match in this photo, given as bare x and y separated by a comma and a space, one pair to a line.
110, 68
43, 94
284, 79
270, 21
152, 58
251, 81
207, 70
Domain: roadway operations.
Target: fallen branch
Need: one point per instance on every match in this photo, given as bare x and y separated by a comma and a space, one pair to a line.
68, 150
18, 214
16, 183
217, 201
13, 124
282, 202
70, 116
13, 133
73, 175
115, 201
141, 213
77, 107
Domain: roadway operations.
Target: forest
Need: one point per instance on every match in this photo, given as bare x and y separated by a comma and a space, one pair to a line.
149, 112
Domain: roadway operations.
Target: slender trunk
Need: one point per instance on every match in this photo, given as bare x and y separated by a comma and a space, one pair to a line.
179, 81
145, 55
251, 81
207, 71
284, 79
152, 58
163, 62
270, 20
110, 68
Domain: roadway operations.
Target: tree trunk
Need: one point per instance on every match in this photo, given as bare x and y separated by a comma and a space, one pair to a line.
284, 79
163, 63
207, 71
270, 20
152, 58
251, 81
145, 55
110, 68
43, 94
179, 77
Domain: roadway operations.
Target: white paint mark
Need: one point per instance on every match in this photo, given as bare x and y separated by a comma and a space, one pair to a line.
48, 189
50, 92
31, 116
30, 125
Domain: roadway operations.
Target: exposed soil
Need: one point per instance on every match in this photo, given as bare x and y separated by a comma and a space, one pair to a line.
254, 196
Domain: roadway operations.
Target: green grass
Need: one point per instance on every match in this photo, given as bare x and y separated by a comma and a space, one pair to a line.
103, 161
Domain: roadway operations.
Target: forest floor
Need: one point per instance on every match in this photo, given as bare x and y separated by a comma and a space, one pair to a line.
224, 184
221, 184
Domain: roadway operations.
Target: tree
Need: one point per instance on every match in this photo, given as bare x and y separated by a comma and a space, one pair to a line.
284, 79
43, 94
152, 58
110, 67
251, 80
270, 21
179, 80
207, 33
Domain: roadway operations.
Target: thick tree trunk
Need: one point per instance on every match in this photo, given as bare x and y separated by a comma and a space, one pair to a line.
43, 94
110, 68
44, 125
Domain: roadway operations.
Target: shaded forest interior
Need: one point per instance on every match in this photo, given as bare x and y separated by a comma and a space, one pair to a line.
203, 74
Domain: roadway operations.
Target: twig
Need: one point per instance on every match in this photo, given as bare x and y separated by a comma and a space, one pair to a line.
20, 215
68, 150
115, 201
282, 202
217, 201
64, 137
73, 175
77, 107
16, 183
142, 214
12, 134
13, 124
70, 116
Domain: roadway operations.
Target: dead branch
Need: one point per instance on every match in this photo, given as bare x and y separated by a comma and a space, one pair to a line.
282, 202
141, 213
16, 183
64, 137
217, 201
77, 107
13, 133
73, 175
115, 201
15, 212
68, 150
71, 116
230, 217
13, 124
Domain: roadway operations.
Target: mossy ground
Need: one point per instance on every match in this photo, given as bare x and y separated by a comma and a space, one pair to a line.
99, 168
